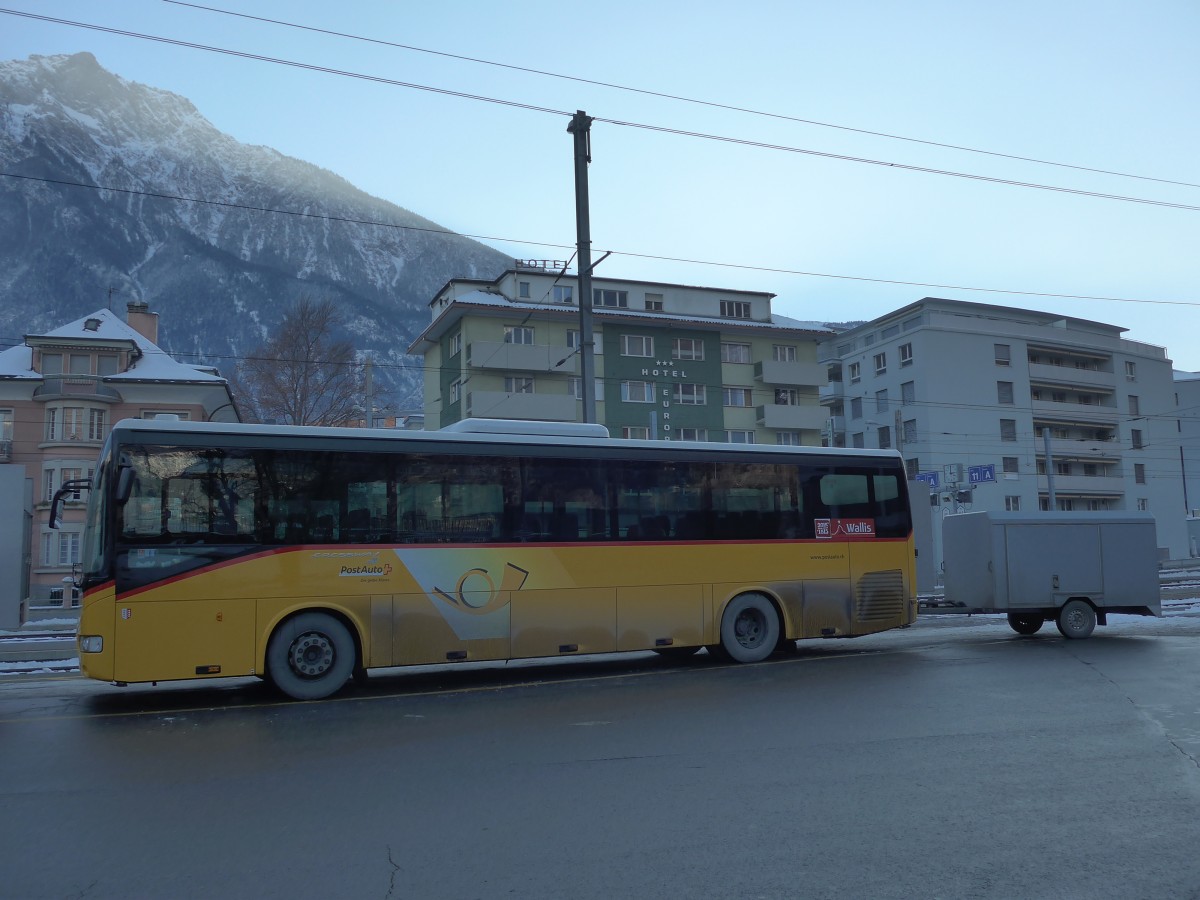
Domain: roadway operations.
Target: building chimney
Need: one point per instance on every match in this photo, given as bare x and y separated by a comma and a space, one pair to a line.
141, 320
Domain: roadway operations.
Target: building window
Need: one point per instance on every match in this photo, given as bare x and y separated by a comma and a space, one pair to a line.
523, 290
606, 297
573, 339
691, 394
1143, 504
1010, 465
654, 302
636, 432
1008, 429
65, 423
1062, 468
1012, 503
455, 391
1131, 371
908, 393
858, 441
910, 430
6, 427
1004, 393
1134, 406
576, 387
518, 334
783, 352
881, 401
885, 437
906, 355
856, 407
687, 348
735, 309
693, 434
80, 364
736, 396
739, 437
880, 363
637, 345
1139, 473
787, 438
735, 353
787, 397
855, 372
52, 363
637, 391
912, 468
456, 343
1003, 354
1136, 435
564, 293
518, 384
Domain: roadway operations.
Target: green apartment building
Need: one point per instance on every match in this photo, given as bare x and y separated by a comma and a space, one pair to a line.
672, 362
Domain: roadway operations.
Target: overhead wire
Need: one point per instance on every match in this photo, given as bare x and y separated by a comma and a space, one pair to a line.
677, 97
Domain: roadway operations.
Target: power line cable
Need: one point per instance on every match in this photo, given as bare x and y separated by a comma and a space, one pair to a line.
667, 96
631, 254
624, 123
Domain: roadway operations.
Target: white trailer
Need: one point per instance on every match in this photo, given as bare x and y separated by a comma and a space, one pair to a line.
1074, 568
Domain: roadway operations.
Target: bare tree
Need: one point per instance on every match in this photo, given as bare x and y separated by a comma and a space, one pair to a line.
303, 375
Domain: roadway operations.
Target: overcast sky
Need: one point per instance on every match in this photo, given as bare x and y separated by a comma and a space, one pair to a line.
1084, 85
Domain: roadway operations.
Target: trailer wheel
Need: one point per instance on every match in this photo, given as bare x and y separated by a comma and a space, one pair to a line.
1025, 623
1077, 619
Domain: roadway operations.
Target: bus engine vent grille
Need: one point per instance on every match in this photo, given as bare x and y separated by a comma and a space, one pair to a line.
880, 596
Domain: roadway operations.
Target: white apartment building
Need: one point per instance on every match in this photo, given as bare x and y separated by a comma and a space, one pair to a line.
996, 408
672, 362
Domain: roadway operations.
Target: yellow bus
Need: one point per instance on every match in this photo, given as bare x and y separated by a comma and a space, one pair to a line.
306, 556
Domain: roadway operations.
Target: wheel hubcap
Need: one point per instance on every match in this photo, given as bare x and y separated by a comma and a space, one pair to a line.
311, 655
748, 629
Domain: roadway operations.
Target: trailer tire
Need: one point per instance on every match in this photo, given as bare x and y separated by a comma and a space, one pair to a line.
1025, 623
1076, 619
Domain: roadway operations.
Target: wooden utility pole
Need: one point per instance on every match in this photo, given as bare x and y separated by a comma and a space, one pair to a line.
581, 129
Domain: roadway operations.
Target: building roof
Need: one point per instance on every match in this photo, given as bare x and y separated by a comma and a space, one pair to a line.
488, 301
105, 328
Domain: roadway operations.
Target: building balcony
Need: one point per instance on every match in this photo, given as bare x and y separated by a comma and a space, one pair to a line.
521, 357
1084, 485
1074, 413
55, 387
792, 418
833, 392
1069, 376
541, 407
5, 451
791, 373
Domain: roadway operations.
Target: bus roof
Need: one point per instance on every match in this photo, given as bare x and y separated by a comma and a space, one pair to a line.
515, 432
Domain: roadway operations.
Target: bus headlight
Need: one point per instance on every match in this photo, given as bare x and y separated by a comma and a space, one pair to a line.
91, 643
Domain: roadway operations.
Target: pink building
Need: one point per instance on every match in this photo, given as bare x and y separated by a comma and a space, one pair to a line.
60, 393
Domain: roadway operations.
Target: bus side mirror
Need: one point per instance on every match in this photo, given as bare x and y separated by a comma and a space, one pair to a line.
68, 487
124, 484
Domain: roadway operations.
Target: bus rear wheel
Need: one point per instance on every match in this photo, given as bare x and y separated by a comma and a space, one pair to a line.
1025, 623
310, 656
749, 628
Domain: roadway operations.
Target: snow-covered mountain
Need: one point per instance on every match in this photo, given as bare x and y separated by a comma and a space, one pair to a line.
220, 276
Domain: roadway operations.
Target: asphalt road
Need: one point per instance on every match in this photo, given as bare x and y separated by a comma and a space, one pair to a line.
953, 759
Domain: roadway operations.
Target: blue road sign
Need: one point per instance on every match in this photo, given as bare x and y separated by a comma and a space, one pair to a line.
977, 474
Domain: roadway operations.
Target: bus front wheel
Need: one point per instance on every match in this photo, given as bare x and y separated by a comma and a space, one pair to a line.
310, 656
749, 628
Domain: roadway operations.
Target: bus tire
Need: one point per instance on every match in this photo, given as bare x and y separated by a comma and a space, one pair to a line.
749, 628
1026, 623
311, 656
1076, 619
